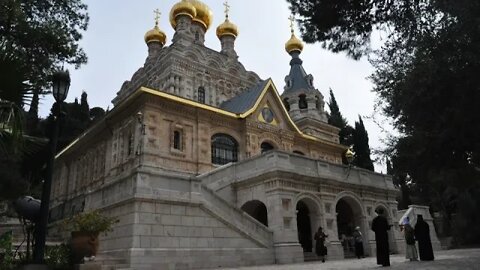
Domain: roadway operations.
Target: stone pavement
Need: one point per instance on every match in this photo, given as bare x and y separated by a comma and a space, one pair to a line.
464, 259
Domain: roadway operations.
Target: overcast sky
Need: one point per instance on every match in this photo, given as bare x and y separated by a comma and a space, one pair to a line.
115, 48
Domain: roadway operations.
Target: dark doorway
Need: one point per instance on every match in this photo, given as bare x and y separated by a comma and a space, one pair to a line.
304, 227
266, 147
257, 210
346, 226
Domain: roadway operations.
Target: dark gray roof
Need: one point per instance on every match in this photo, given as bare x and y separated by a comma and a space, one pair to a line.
244, 101
298, 76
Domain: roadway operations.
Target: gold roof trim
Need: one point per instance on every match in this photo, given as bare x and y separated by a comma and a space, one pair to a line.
193, 103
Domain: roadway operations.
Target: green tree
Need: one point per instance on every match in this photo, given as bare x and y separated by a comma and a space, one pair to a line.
84, 108
43, 35
335, 118
361, 147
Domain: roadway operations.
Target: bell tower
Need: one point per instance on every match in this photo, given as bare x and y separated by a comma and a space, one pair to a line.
305, 103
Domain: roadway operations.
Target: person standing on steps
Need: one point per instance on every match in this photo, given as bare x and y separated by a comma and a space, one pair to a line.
411, 250
422, 234
380, 227
358, 239
320, 247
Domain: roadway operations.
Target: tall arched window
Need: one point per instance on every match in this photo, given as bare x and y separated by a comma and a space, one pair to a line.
224, 149
177, 140
265, 146
201, 94
302, 101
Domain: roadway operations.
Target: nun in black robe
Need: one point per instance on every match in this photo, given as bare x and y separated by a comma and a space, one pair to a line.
380, 227
422, 235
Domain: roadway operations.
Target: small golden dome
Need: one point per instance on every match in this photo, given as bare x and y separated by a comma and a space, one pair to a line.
294, 44
183, 7
155, 35
227, 28
202, 14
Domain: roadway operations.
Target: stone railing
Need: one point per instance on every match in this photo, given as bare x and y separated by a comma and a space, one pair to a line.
301, 166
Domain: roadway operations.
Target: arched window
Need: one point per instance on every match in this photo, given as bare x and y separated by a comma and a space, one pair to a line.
298, 153
201, 94
177, 140
286, 104
197, 36
224, 149
265, 146
302, 101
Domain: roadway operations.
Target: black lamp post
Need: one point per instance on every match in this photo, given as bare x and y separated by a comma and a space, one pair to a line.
61, 83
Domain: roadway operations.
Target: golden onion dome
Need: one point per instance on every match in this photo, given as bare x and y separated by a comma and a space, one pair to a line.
155, 35
227, 28
202, 14
293, 44
183, 7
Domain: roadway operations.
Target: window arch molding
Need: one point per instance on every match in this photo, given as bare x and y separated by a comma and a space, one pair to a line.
224, 149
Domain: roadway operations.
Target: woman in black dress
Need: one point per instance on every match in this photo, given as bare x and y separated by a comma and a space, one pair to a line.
320, 247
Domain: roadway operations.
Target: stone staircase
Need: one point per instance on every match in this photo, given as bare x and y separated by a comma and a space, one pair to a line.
236, 218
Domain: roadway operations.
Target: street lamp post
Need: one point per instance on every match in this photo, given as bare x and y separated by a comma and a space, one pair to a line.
61, 83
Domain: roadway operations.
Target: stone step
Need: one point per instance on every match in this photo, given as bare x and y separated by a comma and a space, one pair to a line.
116, 267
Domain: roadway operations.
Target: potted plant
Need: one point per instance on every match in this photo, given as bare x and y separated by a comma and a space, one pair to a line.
85, 228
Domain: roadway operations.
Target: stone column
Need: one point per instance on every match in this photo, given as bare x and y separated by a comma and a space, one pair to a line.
283, 223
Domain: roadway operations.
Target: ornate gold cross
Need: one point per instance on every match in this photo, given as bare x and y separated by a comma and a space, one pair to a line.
227, 8
157, 15
291, 19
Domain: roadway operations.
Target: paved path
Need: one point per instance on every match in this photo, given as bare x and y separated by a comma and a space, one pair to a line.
464, 259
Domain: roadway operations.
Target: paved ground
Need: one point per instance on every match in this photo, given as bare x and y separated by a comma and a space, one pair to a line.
448, 259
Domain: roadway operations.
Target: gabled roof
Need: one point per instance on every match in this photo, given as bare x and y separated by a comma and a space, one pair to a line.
246, 100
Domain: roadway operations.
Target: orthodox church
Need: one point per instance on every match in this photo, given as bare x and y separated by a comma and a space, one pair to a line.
206, 165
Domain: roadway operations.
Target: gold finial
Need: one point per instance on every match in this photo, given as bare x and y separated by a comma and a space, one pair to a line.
293, 44
227, 8
157, 16
291, 19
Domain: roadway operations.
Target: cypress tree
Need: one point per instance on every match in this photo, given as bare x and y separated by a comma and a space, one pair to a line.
84, 109
335, 118
361, 147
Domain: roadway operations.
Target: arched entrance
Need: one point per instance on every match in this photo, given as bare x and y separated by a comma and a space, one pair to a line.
349, 215
304, 227
308, 220
257, 210
265, 147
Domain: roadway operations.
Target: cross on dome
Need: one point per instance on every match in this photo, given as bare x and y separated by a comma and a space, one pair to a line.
227, 8
291, 19
157, 15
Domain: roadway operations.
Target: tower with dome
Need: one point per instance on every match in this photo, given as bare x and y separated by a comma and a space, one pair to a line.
207, 165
